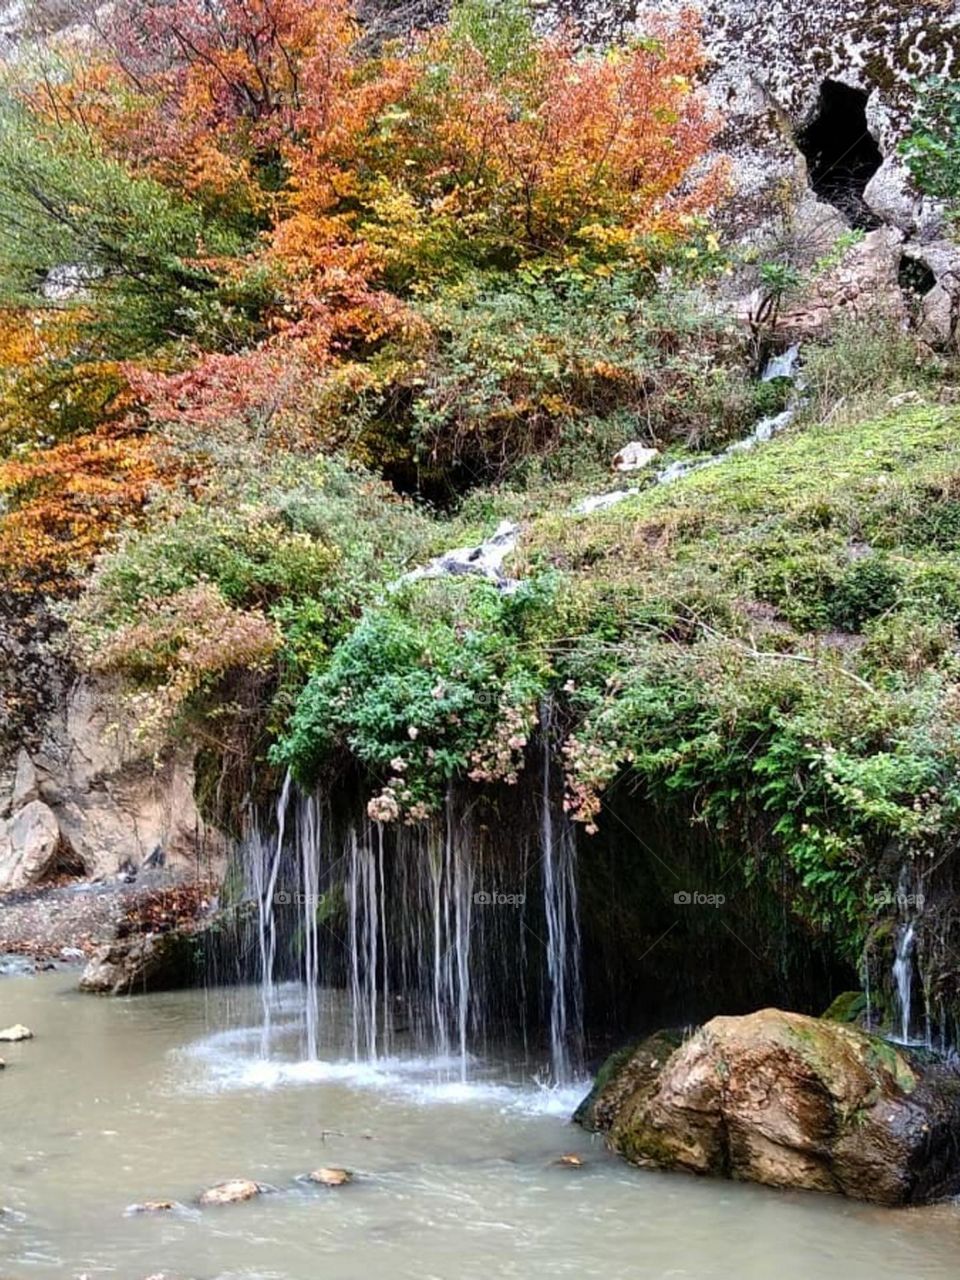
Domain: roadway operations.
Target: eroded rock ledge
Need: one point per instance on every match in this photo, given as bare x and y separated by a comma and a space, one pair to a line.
785, 1100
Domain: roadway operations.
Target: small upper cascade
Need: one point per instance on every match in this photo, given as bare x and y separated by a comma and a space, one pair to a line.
484, 560
781, 366
906, 971
601, 501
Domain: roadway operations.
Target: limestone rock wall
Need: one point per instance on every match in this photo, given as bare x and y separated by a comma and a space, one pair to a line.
86, 801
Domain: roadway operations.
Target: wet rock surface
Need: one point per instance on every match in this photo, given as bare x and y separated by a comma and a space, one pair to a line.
234, 1191
15, 1034
327, 1177
789, 1101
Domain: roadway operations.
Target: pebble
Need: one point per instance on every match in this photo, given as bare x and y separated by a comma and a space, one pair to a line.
330, 1177
570, 1161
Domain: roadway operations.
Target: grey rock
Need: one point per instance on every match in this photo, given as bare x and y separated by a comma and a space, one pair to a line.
26, 785
30, 846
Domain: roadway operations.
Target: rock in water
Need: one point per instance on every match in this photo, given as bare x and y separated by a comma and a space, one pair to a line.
153, 1206
789, 1101
569, 1161
145, 962
12, 1035
233, 1192
330, 1177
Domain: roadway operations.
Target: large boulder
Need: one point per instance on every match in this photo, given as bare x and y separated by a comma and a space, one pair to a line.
789, 1101
31, 845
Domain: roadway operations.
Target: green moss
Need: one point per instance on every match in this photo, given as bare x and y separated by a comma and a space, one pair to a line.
848, 1007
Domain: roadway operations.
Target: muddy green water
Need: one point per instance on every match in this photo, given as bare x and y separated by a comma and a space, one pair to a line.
117, 1101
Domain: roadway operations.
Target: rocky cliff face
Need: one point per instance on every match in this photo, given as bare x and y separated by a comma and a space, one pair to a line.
85, 801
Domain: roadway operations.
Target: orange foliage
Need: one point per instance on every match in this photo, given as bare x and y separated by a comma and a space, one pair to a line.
357, 185
70, 500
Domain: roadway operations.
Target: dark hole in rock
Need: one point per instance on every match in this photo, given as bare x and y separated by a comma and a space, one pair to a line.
841, 153
915, 277
67, 864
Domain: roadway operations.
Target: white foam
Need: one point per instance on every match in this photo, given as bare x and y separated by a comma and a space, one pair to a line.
433, 1080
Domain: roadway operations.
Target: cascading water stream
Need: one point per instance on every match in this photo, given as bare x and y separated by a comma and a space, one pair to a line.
563, 927
429, 928
309, 841
903, 977
265, 876
909, 901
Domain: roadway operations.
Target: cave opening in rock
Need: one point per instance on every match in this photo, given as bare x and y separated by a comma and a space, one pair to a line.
841, 153
915, 276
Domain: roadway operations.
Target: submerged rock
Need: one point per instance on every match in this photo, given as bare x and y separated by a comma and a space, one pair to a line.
330, 1177
789, 1101
13, 1035
153, 1206
233, 1192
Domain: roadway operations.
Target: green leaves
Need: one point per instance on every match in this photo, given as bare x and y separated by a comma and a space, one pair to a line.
932, 151
421, 688
123, 245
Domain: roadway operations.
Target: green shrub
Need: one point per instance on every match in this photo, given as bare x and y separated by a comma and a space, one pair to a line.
867, 589
555, 371
445, 680
932, 150
308, 543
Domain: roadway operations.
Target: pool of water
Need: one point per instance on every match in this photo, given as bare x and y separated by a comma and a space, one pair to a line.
157, 1097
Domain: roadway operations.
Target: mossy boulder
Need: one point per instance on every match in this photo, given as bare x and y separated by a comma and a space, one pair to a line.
624, 1073
146, 962
849, 1007
790, 1101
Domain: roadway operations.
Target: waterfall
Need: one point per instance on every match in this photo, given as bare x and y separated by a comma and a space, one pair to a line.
563, 926
264, 873
906, 970
434, 932
309, 837
903, 976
